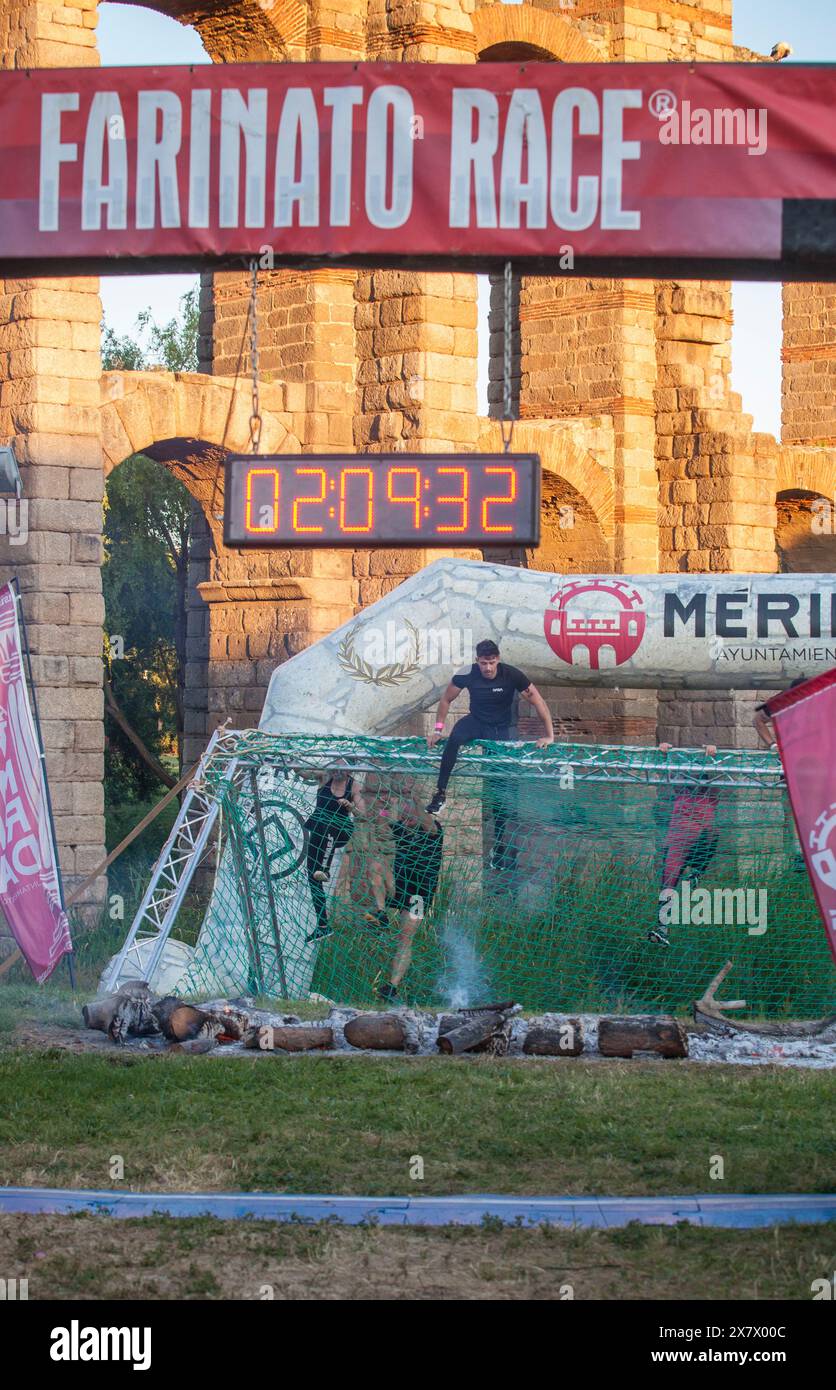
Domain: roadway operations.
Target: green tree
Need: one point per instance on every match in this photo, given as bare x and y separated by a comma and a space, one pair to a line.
145, 579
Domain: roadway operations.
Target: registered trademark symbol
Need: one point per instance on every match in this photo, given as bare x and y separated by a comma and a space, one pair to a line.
661, 103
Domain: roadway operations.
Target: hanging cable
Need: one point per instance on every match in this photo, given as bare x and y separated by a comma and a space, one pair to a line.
255, 417
506, 372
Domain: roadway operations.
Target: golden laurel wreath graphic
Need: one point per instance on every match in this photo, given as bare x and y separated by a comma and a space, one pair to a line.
394, 674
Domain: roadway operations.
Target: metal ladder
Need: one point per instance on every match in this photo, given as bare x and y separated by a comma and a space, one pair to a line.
172, 875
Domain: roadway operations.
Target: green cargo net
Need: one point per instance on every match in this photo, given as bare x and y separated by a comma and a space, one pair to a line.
567, 878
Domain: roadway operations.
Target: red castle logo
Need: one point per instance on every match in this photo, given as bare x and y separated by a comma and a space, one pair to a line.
596, 625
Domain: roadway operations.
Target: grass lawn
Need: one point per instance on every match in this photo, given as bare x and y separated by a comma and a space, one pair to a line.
85, 1257
331, 1125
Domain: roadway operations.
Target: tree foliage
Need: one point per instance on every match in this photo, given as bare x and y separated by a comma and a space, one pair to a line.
145, 576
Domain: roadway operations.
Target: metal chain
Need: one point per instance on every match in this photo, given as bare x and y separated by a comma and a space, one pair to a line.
506, 345
255, 417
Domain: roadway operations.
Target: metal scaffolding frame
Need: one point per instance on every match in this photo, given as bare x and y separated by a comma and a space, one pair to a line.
236, 758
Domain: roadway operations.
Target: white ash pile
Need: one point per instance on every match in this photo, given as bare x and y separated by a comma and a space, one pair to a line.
135, 1018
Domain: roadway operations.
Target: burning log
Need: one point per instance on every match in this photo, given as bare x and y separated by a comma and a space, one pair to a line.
564, 1040
304, 1038
378, 1032
621, 1037
233, 1022
99, 1013
710, 1012
467, 1035
181, 1022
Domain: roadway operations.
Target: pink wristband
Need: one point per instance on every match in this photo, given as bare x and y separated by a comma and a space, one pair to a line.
439, 726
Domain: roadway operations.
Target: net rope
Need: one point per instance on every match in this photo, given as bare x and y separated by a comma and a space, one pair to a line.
549, 882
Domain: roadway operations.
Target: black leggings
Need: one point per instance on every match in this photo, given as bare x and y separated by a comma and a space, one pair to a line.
467, 730
472, 730
325, 835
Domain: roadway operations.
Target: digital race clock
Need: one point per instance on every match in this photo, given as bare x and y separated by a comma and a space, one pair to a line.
382, 500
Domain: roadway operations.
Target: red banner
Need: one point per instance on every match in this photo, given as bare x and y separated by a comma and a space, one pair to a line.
29, 893
550, 162
804, 720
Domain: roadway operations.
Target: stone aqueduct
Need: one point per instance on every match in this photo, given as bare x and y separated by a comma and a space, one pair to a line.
622, 386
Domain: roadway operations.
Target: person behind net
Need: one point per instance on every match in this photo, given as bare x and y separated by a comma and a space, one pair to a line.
492, 685
329, 828
691, 838
763, 717
419, 843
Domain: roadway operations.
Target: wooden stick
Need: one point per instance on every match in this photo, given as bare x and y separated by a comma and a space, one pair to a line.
470, 1033
114, 854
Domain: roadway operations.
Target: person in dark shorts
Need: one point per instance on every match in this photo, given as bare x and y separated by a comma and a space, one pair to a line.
419, 844
329, 828
492, 685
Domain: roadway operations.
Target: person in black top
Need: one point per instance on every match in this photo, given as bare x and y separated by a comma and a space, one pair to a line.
329, 828
492, 685
419, 842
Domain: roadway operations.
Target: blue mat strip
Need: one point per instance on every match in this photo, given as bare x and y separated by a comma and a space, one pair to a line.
601, 1212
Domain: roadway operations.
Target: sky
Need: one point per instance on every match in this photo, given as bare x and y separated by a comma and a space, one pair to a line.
128, 35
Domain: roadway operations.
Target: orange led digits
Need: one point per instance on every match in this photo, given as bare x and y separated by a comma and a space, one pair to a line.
414, 498
303, 501
460, 498
268, 513
369, 476
511, 497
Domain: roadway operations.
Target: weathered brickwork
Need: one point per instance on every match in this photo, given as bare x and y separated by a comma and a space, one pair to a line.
808, 398
623, 387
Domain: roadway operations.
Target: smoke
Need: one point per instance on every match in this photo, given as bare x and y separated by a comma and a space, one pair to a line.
465, 980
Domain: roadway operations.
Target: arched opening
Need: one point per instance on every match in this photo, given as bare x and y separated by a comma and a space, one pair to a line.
572, 540
805, 536
514, 52
159, 537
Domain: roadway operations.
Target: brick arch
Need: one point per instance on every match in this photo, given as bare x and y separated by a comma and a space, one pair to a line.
498, 27
560, 454
186, 421
243, 31
806, 470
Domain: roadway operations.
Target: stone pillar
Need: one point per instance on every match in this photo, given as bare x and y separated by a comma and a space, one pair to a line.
808, 382
717, 478
50, 368
587, 347
666, 31
717, 483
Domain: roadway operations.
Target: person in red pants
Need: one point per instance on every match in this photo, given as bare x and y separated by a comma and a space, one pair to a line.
690, 840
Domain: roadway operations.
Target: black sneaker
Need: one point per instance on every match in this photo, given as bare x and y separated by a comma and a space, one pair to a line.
437, 804
387, 992
320, 933
378, 921
659, 936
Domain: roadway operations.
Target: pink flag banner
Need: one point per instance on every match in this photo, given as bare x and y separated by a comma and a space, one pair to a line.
30, 895
804, 720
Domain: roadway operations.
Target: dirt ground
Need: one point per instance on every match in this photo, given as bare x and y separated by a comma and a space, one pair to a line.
91, 1257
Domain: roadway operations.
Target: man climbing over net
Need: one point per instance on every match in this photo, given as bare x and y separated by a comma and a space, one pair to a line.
492, 685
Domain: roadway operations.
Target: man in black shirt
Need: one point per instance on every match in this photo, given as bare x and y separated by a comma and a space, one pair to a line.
492, 685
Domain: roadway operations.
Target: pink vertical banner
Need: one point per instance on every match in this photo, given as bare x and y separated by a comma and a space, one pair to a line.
30, 896
804, 720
